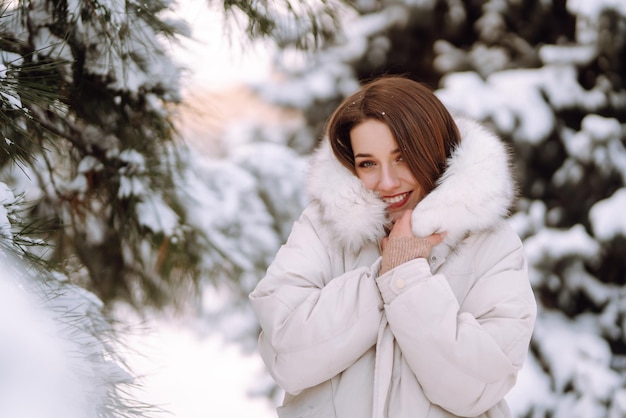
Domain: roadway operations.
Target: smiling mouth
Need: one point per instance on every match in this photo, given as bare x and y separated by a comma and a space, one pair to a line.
397, 200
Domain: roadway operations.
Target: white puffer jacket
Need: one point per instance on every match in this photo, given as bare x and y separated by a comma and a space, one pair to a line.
431, 338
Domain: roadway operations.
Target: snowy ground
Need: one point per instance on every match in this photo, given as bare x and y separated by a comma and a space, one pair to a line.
196, 377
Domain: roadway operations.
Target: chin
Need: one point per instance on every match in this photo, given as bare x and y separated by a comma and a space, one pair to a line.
394, 216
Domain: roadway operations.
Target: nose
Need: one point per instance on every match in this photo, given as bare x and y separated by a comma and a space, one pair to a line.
389, 179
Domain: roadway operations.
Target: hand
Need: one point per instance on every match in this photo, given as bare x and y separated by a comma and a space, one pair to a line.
402, 229
402, 246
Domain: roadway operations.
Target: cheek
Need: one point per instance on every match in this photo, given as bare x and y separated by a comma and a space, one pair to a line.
406, 174
418, 191
368, 180
416, 197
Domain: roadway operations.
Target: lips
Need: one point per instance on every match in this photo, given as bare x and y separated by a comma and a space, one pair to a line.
396, 201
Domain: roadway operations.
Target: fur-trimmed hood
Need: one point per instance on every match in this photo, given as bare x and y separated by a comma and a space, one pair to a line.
474, 193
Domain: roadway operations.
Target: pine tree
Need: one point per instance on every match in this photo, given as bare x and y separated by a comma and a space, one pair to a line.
87, 91
86, 170
100, 200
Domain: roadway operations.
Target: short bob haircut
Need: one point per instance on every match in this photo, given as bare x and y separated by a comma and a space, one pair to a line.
423, 128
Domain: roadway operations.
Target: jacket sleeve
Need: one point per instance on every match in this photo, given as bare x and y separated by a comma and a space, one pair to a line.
313, 325
466, 357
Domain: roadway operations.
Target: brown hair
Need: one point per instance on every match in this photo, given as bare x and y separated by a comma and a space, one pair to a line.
423, 128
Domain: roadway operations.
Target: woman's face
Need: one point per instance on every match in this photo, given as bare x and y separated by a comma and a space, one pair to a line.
379, 164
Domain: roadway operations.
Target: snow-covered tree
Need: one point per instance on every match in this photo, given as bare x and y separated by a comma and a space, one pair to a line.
86, 89
89, 92
86, 181
103, 203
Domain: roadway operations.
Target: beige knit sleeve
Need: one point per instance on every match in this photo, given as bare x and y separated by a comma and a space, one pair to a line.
400, 250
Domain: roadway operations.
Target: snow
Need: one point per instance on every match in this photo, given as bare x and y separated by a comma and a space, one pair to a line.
607, 216
157, 215
532, 390
6, 198
555, 244
558, 54
53, 348
603, 129
191, 372
512, 99
190, 375
26, 369
13, 100
591, 9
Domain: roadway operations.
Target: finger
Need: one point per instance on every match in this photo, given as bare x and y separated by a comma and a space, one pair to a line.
437, 238
402, 227
406, 217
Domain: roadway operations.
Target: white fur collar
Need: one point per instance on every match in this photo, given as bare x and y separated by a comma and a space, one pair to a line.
474, 194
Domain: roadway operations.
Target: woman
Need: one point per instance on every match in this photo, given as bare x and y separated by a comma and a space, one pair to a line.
401, 291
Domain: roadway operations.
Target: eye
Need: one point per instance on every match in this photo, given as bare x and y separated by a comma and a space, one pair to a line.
400, 159
366, 164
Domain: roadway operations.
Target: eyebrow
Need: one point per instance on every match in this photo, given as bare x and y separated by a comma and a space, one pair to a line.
361, 155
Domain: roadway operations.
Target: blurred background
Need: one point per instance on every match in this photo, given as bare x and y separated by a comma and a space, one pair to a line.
153, 162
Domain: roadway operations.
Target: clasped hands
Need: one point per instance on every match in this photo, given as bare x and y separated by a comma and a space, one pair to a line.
402, 246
